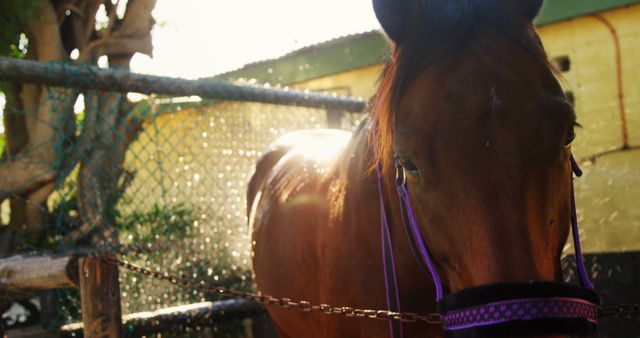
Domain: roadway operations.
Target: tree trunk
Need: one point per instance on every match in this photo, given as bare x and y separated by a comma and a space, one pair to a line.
16, 138
110, 132
34, 119
42, 147
41, 143
100, 173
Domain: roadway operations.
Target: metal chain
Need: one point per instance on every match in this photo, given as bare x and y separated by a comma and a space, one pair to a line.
285, 303
306, 306
622, 309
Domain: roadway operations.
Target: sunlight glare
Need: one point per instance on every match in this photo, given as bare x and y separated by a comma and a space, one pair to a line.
321, 145
78, 107
202, 38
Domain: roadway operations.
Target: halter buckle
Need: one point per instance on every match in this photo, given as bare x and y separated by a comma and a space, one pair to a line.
401, 174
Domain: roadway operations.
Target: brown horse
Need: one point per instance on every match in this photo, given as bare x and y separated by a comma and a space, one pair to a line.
471, 108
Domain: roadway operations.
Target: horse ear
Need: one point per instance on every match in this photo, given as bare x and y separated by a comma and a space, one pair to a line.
525, 9
393, 16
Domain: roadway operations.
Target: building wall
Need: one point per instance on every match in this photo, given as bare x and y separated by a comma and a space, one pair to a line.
609, 192
198, 158
592, 77
360, 82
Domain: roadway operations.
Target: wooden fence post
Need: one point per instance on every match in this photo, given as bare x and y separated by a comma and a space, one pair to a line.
334, 118
100, 299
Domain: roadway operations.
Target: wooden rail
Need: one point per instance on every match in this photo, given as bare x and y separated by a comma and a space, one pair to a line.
22, 273
175, 319
100, 299
97, 280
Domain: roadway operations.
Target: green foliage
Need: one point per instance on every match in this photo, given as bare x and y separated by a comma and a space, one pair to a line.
13, 16
142, 110
80, 121
164, 221
69, 310
2, 144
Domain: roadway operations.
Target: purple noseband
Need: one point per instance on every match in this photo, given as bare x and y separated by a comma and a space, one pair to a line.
519, 309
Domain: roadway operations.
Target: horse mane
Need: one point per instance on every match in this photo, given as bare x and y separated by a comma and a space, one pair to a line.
445, 26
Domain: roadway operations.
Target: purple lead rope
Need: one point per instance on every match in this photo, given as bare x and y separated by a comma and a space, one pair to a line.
388, 260
582, 270
403, 194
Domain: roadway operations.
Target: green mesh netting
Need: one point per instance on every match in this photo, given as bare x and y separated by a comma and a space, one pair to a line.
161, 181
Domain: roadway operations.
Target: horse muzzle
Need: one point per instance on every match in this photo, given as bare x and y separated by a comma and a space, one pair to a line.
508, 309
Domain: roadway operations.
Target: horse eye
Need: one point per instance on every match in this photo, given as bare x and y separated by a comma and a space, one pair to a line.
410, 167
571, 135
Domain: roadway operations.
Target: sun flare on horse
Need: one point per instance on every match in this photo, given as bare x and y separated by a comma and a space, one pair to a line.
454, 196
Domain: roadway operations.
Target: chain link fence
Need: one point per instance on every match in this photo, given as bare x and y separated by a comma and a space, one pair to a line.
161, 181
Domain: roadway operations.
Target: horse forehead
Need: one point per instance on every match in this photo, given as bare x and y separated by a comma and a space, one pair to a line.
474, 87
470, 74
439, 99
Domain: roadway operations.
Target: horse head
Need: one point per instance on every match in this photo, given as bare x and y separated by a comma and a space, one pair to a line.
472, 115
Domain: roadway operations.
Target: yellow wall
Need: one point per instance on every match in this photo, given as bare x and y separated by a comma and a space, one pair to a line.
609, 193
360, 82
592, 77
182, 156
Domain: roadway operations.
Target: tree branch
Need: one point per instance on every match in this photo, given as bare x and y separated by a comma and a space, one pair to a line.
138, 20
112, 9
83, 22
44, 32
127, 46
133, 36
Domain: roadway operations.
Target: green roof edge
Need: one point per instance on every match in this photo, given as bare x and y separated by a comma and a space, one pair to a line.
326, 58
370, 48
559, 10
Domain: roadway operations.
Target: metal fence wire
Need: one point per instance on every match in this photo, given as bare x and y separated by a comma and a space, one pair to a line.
161, 180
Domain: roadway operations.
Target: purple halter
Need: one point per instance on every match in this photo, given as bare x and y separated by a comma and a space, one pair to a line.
498, 309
